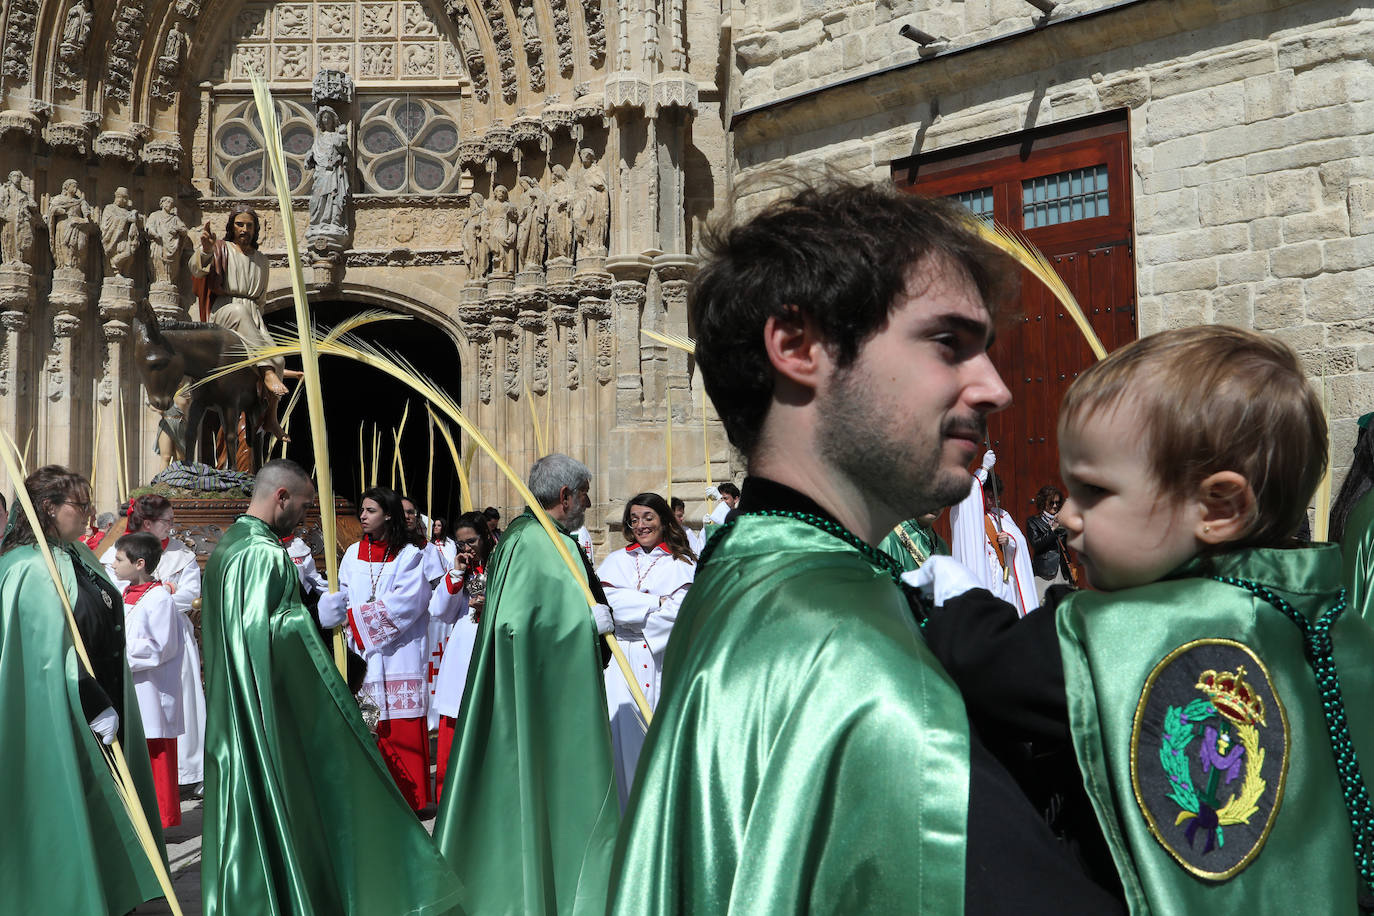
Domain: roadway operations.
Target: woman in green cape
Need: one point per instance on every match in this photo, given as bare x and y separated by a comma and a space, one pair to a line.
71, 848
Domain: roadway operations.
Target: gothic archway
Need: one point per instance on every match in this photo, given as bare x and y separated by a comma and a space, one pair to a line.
358, 397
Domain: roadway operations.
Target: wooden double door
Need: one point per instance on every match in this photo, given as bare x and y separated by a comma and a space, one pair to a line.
1068, 191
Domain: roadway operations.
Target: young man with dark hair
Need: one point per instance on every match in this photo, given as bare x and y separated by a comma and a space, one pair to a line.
810, 753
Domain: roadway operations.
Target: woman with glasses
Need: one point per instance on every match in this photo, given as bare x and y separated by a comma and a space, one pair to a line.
458, 602
55, 718
1050, 555
179, 573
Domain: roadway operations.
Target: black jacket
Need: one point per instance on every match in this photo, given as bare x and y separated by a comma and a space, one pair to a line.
1047, 557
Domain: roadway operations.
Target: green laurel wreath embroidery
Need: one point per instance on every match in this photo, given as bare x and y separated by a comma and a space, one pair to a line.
1173, 750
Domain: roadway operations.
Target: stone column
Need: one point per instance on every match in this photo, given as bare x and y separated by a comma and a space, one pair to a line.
55, 441
674, 274
116, 311
16, 303
628, 299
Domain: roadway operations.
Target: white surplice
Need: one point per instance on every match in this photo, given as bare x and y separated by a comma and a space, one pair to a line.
180, 573
390, 630
153, 647
645, 591
438, 560
453, 612
969, 544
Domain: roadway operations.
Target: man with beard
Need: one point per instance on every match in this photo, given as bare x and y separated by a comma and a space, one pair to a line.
230, 277
301, 813
809, 752
532, 806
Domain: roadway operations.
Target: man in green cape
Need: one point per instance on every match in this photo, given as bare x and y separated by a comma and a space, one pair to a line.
301, 815
914, 541
69, 846
532, 811
809, 753
1352, 523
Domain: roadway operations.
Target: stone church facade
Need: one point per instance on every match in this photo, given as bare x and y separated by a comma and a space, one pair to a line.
1242, 184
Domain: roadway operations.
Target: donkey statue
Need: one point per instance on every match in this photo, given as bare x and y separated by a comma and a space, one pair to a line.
168, 351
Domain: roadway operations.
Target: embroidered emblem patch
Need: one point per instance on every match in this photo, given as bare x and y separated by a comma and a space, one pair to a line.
1209, 755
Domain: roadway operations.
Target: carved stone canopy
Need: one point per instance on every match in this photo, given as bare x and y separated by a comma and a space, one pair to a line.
332, 86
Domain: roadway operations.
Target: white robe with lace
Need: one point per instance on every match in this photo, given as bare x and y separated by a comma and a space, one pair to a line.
969, 544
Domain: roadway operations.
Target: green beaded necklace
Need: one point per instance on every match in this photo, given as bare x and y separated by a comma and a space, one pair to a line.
874, 556
1318, 648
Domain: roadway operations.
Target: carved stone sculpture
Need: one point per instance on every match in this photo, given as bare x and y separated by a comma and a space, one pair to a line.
18, 218
592, 210
533, 232
476, 254
173, 51
168, 239
120, 233
503, 223
70, 222
560, 230
76, 31
328, 156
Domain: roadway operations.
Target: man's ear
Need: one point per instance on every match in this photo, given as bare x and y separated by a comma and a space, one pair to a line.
796, 348
1227, 503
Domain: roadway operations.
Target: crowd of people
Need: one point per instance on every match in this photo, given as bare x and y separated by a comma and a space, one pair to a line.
814, 703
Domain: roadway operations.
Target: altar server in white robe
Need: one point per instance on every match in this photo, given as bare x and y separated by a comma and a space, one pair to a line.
306, 568
438, 560
153, 648
387, 622
695, 539
645, 584
457, 603
974, 526
179, 573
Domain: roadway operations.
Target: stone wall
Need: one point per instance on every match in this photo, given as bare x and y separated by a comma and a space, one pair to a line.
1251, 121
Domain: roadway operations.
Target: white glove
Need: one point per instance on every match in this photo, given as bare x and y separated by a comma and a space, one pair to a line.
713, 493
605, 623
989, 459
707, 521
333, 608
941, 578
105, 725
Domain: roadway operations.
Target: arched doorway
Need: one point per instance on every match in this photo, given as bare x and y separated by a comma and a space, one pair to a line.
357, 397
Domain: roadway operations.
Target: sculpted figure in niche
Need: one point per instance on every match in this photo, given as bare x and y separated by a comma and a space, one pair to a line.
592, 210
120, 233
528, 28
503, 223
18, 216
467, 34
328, 156
75, 32
70, 224
167, 238
560, 230
534, 218
173, 50
476, 254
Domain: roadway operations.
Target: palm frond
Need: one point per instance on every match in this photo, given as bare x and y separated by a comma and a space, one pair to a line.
1032, 259
686, 344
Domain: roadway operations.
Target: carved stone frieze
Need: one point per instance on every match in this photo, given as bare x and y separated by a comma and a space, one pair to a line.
20, 26
562, 33
22, 123
486, 363
118, 145
499, 140
674, 90
163, 154
528, 130
505, 54
605, 352
539, 365
122, 53
472, 152
572, 339
69, 136
596, 32
626, 91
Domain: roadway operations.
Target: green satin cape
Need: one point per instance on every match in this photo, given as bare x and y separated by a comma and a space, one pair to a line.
924, 538
530, 809
68, 845
1357, 547
1111, 642
301, 814
808, 754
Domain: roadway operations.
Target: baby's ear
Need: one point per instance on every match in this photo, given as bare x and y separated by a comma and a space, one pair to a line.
1227, 502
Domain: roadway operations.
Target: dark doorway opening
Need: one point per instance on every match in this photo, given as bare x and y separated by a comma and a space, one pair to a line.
357, 396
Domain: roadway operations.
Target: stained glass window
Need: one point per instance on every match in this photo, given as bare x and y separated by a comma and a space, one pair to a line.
409, 146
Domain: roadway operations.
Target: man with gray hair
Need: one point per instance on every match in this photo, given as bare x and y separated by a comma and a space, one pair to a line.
301, 813
537, 812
